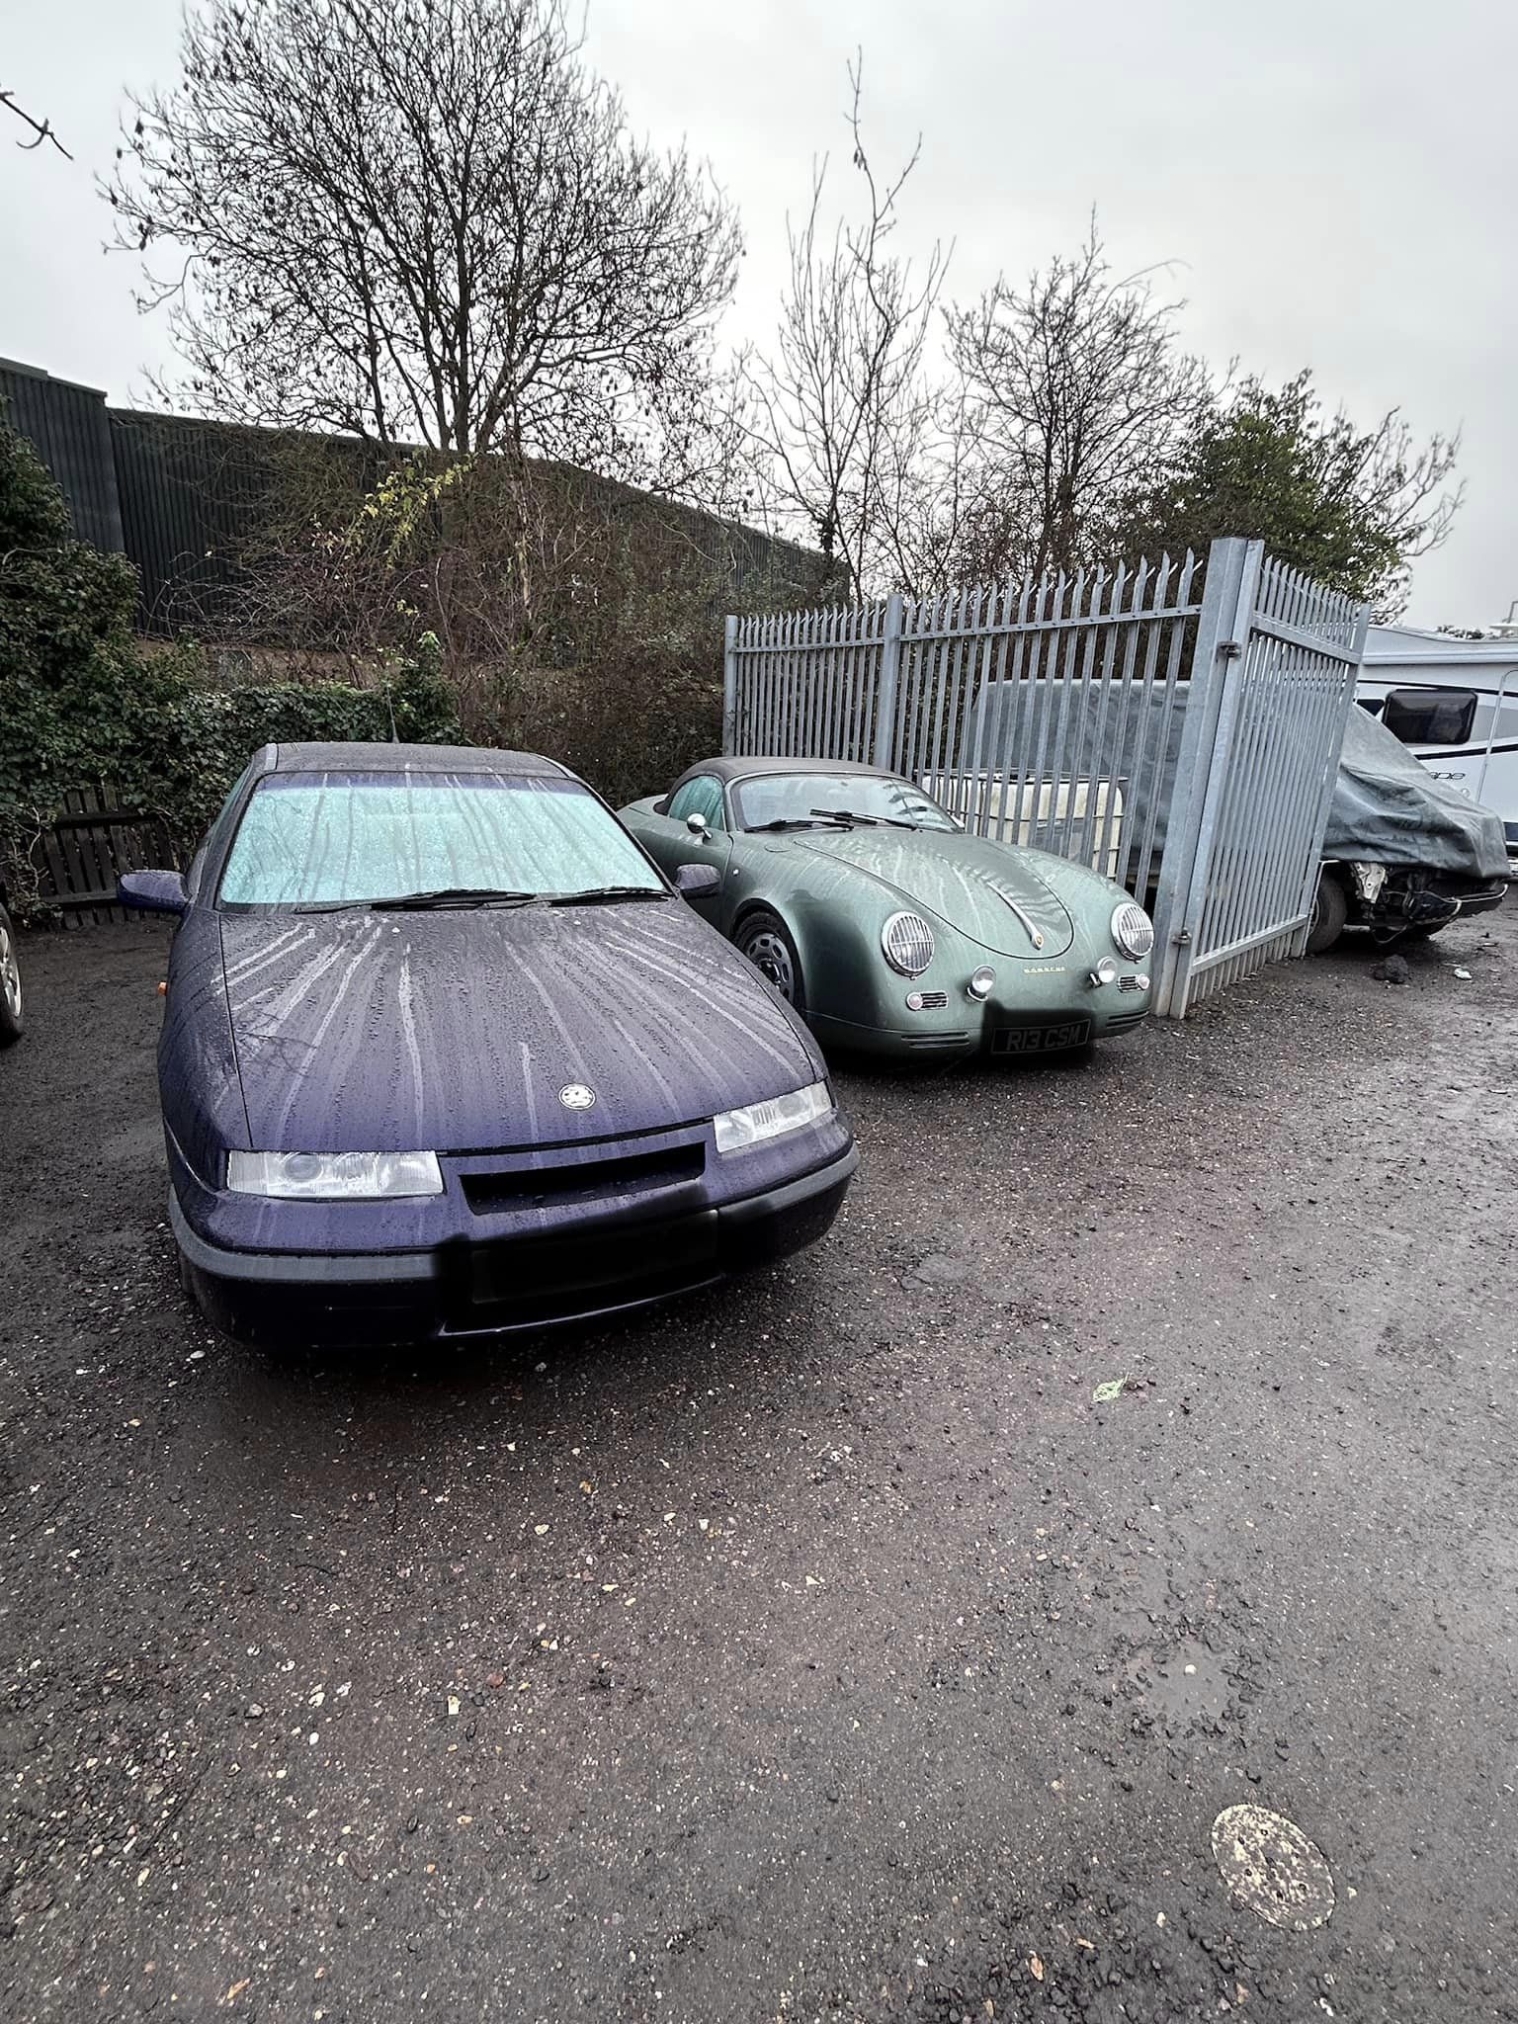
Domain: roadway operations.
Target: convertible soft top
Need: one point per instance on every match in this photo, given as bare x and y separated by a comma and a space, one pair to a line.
748, 764
374, 758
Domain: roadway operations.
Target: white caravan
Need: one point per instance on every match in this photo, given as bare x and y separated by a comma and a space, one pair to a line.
1454, 704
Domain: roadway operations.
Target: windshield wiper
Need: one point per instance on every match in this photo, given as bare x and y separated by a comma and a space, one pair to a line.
600, 896
795, 821
854, 815
453, 896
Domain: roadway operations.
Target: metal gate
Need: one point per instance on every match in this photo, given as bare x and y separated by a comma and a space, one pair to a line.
1176, 728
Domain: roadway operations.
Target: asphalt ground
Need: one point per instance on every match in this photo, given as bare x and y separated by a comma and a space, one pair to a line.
820, 1647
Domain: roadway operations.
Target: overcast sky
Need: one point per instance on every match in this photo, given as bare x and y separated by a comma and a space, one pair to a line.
1334, 179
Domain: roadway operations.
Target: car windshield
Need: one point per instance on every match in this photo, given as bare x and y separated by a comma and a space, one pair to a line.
805, 800
351, 839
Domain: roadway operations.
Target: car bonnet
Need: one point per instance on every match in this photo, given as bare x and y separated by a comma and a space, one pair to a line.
988, 891
478, 1030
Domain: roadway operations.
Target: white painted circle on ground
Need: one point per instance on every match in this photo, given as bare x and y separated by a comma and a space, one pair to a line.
1272, 1868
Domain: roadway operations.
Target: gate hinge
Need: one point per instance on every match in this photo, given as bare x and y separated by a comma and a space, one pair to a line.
1183, 939
1230, 650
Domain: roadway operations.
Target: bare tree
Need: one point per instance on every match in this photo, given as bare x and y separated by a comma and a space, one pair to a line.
42, 129
424, 220
840, 412
1078, 393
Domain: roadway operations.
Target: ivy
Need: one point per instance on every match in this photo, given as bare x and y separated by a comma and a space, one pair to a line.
83, 703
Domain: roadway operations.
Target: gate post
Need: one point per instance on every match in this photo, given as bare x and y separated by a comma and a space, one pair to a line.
1233, 575
885, 691
730, 686
1330, 778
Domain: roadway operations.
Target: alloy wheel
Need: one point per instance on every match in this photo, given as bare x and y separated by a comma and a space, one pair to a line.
10, 974
769, 954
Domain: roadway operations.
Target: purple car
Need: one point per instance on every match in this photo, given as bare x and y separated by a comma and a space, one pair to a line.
445, 1054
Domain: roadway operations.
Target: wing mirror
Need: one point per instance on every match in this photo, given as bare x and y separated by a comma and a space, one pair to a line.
152, 892
697, 881
698, 825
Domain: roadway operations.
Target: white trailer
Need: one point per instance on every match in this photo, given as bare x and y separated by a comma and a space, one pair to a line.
1454, 704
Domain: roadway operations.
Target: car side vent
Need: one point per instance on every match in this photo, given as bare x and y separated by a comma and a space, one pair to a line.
588, 1180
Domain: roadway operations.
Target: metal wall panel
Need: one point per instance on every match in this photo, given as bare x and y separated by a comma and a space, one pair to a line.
66, 425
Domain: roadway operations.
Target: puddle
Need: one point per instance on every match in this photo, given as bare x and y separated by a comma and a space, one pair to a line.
1182, 1683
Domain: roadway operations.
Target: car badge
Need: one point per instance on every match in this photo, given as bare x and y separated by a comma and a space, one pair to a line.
577, 1096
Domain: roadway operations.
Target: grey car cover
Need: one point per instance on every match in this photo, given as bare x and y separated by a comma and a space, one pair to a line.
1387, 809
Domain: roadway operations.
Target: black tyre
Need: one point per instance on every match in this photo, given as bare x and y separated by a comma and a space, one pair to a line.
11, 1022
765, 939
1330, 914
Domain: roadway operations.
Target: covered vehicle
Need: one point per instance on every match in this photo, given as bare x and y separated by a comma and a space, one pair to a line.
445, 1054
1405, 853
895, 931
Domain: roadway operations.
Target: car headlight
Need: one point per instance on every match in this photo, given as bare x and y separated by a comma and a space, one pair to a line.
907, 941
738, 1129
1132, 930
334, 1177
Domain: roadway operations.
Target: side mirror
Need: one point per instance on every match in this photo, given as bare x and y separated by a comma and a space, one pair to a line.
152, 892
698, 825
697, 881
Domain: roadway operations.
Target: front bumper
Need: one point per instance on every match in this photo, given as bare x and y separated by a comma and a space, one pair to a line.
1048, 1022
503, 1285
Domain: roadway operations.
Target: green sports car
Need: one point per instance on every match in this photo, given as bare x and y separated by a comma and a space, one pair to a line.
887, 925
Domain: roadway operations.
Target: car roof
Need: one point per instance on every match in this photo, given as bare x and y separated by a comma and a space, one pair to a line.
750, 764
357, 756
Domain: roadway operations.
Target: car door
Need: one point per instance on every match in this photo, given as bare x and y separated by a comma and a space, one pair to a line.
672, 841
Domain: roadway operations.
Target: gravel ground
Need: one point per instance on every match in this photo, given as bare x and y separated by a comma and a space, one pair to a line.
818, 1648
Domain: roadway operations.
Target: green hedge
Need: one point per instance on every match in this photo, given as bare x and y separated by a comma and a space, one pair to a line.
82, 705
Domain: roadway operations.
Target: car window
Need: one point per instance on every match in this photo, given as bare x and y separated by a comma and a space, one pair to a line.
792, 797
314, 838
701, 796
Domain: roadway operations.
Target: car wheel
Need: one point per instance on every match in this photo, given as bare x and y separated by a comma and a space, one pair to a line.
1330, 914
10, 983
765, 939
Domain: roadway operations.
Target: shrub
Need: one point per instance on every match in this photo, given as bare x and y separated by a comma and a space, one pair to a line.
82, 704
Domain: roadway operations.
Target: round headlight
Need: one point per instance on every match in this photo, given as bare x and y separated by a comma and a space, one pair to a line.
908, 944
1132, 930
981, 982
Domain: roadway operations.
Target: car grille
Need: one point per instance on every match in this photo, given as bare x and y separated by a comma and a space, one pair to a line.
1124, 1022
583, 1180
931, 1001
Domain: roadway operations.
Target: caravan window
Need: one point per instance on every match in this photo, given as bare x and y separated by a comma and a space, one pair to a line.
1431, 716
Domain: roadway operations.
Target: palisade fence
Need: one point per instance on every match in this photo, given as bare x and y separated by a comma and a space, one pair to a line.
1174, 724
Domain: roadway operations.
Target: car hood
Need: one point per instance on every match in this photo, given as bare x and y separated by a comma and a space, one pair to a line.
455, 1031
970, 882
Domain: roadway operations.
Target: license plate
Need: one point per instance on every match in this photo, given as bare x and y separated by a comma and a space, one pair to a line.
1041, 1039
593, 1262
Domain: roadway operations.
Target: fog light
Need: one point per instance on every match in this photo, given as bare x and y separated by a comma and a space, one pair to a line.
1105, 972
980, 984
914, 1001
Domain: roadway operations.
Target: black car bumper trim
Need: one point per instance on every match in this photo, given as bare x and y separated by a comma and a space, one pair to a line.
339, 1268
752, 1208
500, 1286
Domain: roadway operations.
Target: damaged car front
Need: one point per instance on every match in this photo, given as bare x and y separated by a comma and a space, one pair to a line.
1405, 853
